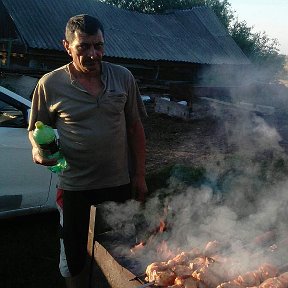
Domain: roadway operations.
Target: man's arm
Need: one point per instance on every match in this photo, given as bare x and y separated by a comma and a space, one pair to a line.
137, 144
36, 153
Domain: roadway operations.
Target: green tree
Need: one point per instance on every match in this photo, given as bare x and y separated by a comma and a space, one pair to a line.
262, 51
221, 8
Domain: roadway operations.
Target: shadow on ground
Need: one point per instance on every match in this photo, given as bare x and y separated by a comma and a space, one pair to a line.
29, 251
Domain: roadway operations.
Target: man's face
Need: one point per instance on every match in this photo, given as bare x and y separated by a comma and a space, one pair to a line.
86, 51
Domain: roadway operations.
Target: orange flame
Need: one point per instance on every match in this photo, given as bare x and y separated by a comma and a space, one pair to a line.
162, 226
137, 247
162, 248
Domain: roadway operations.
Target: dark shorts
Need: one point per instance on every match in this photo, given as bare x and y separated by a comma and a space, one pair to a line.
75, 209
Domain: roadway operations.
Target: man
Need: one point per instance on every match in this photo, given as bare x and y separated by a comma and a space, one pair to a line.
95, 107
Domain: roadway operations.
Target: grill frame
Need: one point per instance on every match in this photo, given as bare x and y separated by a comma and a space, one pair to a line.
105, 271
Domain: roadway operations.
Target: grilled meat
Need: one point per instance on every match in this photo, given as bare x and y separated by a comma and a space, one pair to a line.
182, 270
230, 284
199, 262
249, 279
273, 282
284, 278
186, 282
267, 271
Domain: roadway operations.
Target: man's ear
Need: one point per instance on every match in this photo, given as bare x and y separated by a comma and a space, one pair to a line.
66, 46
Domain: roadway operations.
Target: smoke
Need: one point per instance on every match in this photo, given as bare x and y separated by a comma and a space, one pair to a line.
241, 200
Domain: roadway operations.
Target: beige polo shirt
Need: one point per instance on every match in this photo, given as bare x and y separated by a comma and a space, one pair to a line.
92, 130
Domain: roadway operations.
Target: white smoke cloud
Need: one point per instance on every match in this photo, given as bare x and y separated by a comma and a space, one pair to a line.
244, 198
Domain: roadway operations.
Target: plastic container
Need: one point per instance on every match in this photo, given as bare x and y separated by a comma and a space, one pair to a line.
46, 139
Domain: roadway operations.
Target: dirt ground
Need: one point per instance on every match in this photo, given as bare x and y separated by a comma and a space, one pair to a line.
171, 140
29, 245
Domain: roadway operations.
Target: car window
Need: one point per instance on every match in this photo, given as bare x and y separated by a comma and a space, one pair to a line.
11, 116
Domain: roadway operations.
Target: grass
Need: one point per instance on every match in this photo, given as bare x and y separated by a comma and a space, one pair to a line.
187, 174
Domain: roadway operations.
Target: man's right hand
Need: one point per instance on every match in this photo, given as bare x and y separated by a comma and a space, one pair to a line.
39, 159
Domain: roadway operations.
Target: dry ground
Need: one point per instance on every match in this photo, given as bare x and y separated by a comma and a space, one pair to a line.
171, 140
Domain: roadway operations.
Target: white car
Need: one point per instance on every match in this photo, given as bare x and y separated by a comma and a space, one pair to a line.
25, 187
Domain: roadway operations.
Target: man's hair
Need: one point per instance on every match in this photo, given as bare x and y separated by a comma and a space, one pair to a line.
83, 23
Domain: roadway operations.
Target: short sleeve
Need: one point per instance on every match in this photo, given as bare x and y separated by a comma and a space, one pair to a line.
40, 107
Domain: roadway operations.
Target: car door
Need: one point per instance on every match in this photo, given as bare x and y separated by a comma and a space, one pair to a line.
23, 184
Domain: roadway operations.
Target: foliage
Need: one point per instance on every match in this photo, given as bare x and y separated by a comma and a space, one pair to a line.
188, 175
221, 8
284, 74
262, 51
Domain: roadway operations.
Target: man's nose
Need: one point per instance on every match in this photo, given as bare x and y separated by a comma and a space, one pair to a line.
94, 52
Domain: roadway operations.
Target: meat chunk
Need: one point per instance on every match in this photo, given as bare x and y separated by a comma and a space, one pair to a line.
186, 282
158, 266
273, 282
284, 278
185, 257
212, 274
249, 279
159, 273
253, 278
267, 271
207, 276
190, 283
199, 262
230, 284
182, 270
163, 278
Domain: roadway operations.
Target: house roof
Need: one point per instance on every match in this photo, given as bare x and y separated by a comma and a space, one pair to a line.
194, 35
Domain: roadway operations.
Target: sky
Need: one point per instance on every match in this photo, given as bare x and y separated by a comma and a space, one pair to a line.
265, 15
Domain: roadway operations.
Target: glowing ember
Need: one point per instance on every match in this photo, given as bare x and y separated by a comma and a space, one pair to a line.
151, 240
162, 226
137, 247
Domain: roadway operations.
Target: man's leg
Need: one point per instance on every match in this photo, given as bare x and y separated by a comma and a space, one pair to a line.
72, 260
75, 222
